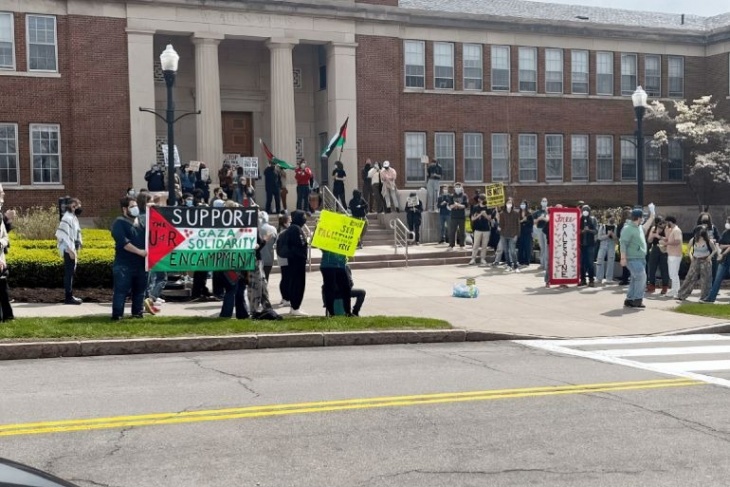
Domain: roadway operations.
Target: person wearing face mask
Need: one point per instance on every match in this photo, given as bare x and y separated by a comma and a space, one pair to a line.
633, 256
129, 255
701, 249
606, 251
303, 175
444, 214
296, 255
457, 222
338, 186
388, 177
374, 174
588, 232
657, 256
509, 225
524, 244
723, 247
705, 219
540, 218
481, 223
673, 243
68, 238
433, 179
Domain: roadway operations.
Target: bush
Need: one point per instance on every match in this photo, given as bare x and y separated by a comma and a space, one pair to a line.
37, 223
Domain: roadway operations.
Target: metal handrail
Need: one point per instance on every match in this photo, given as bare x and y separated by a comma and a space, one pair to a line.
401, 236
308, 235
330, 202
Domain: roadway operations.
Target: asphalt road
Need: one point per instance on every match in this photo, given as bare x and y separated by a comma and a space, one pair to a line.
498, 414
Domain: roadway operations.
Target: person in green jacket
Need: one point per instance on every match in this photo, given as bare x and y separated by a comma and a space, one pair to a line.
633, 256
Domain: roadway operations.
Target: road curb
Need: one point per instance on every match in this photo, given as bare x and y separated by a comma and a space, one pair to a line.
700, 330
91, 348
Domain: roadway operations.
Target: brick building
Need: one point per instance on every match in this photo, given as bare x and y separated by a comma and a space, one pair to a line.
533, 95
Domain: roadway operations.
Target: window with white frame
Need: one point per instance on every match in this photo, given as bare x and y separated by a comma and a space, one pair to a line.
415, 59
553, 157
628, 74
7, 41
604, 73
473, 67
653, 75
9, 153
500, 158
579, 72
628, 159
676, 161
528, 158
41, 36
45, 153
443, 65
500, 68
445, 154
604, 158
473, 158
579, 157
652, 162
553, 70
527, 69
415, 149
676, 76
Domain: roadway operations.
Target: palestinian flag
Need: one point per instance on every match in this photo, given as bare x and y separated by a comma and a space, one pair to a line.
271, 157
338, 140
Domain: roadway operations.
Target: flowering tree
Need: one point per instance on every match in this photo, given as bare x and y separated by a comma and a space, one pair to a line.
706, 138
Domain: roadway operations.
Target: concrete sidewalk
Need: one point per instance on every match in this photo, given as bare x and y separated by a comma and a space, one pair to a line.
511, 303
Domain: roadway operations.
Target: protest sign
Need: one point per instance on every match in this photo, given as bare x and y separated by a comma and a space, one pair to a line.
495, 194
201, 239
194, 165
164, 149
564, 245
250, 166
337, 233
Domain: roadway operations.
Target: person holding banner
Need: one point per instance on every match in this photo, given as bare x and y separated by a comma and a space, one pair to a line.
129, 255
414, 208
633, 256
335, 282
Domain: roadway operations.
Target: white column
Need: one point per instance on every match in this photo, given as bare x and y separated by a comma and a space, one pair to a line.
342, 103
283, 117
141, 94
209, 130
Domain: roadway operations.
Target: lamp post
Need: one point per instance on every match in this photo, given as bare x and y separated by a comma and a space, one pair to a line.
639, 100
169, 60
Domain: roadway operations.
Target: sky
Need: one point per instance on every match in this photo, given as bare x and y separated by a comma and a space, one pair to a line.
706, 8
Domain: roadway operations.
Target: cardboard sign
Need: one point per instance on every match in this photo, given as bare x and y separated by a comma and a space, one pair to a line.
424, 159
564, 246
194, 165
337, 233
201, 239
164, 149
250, 166
495, 194
205, 174
231, 158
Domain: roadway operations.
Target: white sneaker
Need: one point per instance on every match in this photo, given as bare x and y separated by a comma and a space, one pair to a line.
284, 304
517, 269
472, 262
159, 301
450, 249
297, 312
483, 263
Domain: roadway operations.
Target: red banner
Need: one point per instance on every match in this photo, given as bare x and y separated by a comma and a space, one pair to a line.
564, 246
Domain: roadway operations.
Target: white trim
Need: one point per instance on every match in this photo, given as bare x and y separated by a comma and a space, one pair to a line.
613, 159
26, 187
562, 159
562, 71
453, 66
17, 154
60, 150
587, 158
587, 73
55, 43
509, 68
463, 153
613, 74
464, 67
453, 153
524, 93
12, 42
631, 90
509, 156
405, 64
669, 78
519, 69
32, 74
660, 74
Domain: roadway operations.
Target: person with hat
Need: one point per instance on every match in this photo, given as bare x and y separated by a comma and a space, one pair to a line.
388, 176
632, 244
588, 232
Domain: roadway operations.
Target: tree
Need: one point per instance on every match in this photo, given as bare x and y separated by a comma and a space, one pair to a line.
706, 138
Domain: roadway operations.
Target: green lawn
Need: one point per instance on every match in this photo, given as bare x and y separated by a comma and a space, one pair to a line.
94, 327
710, 309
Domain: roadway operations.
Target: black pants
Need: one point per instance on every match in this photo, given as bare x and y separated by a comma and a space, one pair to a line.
273, 194
359, 296
338, 190
367, 193
6, 311
284, 282
454, 236
199, 289
414, 224
69, 268
378, 196
297, 281
233, 298
303, 197
218, 285
267, 271
657, 258
336, 284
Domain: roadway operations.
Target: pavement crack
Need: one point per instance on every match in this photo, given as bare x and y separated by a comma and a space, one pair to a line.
242, 380
91, 482
461, 358
118, 442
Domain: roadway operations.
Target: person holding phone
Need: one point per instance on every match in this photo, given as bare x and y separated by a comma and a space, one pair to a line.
606, 251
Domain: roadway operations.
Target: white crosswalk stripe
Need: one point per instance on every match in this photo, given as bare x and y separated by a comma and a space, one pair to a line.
690, 356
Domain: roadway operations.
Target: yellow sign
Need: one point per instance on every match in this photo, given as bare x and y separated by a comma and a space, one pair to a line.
495, 194
337, 233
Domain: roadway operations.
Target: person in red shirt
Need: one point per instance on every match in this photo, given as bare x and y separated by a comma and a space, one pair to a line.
303, 175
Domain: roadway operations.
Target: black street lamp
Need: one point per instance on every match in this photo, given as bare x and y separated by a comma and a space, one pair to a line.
639, 100
169, 60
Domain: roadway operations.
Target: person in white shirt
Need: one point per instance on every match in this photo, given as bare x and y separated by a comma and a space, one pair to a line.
68, 236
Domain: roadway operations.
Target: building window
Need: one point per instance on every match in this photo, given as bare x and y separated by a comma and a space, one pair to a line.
553, 157
604, 73
8, 153
7, 41
473, 158
628, 159
500, 68
553, 70
652, 162
415, 149
443, 65
444, 150
473, 66
628, 74
500, 157
322, 58
415, 58
653, 75
42, 52
579, 72
676, 161
604, 158
527, 66
676, 76
579, 157
45, 152
528, 158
